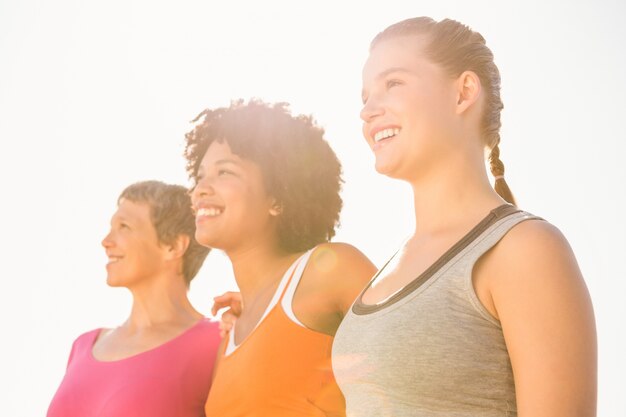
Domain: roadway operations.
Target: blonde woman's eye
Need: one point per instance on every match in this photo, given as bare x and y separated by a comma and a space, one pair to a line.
393, 83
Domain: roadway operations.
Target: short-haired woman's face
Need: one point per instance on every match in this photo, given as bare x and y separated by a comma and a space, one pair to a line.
231, 203
132, 246
407, 105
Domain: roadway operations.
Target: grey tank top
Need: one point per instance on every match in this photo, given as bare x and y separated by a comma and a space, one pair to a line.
431, 349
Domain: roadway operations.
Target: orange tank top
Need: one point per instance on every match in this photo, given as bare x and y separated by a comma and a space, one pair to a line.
280, 369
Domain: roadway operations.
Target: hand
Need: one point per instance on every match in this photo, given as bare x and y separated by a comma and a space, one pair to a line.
232, 301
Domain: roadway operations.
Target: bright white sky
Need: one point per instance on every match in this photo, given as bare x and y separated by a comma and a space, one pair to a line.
96, 95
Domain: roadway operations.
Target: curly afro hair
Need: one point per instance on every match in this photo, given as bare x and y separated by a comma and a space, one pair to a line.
299, 168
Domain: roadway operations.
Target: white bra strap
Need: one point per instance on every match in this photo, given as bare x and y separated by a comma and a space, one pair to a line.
287, 301
231, 346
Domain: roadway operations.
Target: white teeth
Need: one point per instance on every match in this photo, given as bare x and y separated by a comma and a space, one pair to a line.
209, 212
113, 259
386, 133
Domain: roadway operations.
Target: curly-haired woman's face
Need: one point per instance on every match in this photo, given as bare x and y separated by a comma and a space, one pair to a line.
231, 203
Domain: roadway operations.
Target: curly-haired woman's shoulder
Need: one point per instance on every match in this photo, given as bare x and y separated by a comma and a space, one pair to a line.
340, 270
336, 258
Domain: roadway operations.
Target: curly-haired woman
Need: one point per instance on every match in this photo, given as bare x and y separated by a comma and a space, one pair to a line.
267, 194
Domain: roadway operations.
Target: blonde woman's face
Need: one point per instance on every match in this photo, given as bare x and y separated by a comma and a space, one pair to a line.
408, 102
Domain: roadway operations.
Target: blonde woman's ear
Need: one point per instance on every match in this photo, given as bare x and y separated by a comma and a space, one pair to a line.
468, 90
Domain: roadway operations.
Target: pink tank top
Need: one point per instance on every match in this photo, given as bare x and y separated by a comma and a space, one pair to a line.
172, 379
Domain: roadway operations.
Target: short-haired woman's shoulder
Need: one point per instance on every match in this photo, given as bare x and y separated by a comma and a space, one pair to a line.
208, 329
